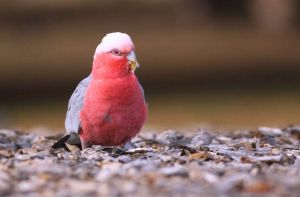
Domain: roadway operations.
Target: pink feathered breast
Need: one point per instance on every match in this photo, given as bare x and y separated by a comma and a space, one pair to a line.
114, 111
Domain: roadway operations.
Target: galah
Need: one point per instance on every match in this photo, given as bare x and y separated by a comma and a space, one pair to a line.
108, 107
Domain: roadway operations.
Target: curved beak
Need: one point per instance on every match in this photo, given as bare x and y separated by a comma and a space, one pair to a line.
132, 61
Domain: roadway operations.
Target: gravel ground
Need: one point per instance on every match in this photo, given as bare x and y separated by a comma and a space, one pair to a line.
243, 163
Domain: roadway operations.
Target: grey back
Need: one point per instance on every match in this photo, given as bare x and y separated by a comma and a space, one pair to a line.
72, 121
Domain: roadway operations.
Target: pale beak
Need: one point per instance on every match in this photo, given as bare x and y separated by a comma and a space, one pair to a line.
132, 61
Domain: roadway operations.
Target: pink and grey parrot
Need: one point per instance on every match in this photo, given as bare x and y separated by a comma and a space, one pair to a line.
108, 107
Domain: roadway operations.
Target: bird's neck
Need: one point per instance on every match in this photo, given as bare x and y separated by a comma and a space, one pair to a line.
105, 66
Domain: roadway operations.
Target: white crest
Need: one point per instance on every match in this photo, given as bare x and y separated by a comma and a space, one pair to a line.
113, 41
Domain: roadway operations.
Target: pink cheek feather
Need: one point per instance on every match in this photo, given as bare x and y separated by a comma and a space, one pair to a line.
108, 65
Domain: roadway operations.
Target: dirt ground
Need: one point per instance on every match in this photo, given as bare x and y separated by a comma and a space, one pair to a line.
265, 161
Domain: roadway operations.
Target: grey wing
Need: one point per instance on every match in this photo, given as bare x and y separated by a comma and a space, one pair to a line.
72, 122
142, 90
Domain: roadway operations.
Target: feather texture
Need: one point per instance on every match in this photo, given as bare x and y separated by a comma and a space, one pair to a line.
72, 121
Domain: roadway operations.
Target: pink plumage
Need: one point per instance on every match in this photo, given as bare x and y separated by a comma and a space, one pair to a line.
108, 108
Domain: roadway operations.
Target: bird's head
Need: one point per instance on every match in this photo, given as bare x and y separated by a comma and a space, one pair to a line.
115, 56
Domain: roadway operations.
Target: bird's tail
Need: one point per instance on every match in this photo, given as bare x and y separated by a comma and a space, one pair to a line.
71, 138
61, 143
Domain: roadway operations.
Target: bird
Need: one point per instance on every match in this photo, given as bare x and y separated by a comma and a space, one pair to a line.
108, 107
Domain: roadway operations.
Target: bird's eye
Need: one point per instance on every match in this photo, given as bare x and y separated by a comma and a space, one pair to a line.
116, 52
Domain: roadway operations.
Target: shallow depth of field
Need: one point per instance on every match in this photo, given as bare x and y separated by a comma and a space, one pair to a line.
222, 83
231, 65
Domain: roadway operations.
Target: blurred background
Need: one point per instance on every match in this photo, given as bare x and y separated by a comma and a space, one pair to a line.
231, 64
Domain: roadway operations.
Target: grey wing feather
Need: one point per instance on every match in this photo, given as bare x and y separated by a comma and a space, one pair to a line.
142, 90
72, 122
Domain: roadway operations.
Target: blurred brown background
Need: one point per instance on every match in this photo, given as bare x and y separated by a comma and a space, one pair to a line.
228, 64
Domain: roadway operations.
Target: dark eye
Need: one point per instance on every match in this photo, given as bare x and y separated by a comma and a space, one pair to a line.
116, 52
